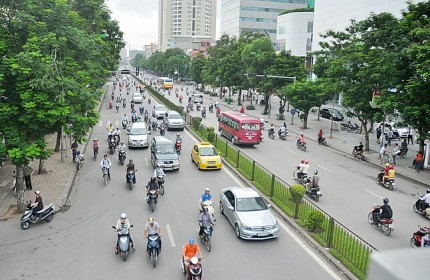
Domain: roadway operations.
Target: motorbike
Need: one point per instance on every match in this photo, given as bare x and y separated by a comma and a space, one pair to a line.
112, 146
198, 106
386, 225
282, 135
194, 269
124, 103
314, 193
162, 130
178, 146
116, 138
141, 110
131, 178
152, 199
124, 124
211, 109
117, 107
271, 133
180, 99
389, 183
203, 114
46, 214
80, 162
418, 208
323, 141
122, 157
303, 180
133, 118
301, 146
206, 237
105, 172
349, 127
124, 241
160, 180
153, 248
358, 153
417, 237
177, 94
218, 111
154, 126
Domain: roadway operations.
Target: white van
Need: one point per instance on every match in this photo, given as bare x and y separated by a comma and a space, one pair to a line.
138, 135
197, 98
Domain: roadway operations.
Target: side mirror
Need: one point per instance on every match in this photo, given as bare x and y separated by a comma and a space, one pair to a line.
230, 207
269, 205
131, 225
114, 227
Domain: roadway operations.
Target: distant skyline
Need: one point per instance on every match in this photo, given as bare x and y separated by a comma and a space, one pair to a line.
138, 19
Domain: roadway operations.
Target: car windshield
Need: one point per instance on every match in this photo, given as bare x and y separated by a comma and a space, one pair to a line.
165, 149
208, 151
138, 131
136, 94
174, 116
400, 125
160, 108
250, 204
251, 126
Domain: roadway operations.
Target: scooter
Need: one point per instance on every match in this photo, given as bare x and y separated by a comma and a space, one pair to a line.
124, 241
131, 178
386, 225
46, 214
323, 141
301, 146
112, 146
389, 183
417, 207
194, 269
178, 146
122, 157
152, 199
206, 237
358, 153
153, 248
314, 193
80, 162
417, 237
105, 172
271, 133
282, 135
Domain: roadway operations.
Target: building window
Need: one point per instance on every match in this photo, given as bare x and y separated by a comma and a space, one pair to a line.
310, 26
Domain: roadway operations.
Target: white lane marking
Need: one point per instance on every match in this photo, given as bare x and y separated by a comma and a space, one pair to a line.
374, 194
322, 167
4, 195
146, 161
170, 234
291, 151
234, 177
309, 251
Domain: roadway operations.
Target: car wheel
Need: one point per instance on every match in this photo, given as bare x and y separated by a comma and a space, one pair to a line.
221, 208
237, 230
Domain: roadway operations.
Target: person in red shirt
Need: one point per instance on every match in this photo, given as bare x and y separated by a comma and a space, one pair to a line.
242, 110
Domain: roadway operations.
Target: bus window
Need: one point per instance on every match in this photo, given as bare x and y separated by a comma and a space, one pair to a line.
250, 126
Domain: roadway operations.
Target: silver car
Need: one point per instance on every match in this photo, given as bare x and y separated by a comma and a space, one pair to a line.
173, 120
248, 213
159, 111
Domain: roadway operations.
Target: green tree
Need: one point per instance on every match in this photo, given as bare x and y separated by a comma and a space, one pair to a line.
198, 63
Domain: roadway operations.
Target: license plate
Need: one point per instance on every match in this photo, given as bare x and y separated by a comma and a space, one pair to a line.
391, 226
262, 234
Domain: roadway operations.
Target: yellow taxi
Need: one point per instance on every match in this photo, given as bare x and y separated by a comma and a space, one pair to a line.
206, 156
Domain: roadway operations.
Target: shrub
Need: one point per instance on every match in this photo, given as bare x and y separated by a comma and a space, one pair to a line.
297, 192
250, 107
196, 122
211, 134
314, 220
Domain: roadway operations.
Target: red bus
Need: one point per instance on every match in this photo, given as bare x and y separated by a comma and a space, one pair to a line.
240, 128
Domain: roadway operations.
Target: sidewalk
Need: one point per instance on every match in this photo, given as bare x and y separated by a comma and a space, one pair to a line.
341, 140
54, 186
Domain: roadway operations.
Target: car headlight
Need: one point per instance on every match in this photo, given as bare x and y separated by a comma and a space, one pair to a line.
158, 162
245, 227
218, 160
176, 161
276, 225
203, 161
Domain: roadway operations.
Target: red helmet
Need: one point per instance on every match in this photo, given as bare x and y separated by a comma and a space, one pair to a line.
302, 161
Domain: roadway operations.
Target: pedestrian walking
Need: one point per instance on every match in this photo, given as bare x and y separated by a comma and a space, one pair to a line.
418, 162
378, 134
383, 152
390, 135
26, 171
410, 135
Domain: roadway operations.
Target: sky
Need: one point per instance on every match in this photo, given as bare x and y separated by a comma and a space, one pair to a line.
138, 19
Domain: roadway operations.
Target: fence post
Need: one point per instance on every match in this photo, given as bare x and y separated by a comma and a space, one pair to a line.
330, 232
272, 185
226, 145
296, 210
253, 170
237, 160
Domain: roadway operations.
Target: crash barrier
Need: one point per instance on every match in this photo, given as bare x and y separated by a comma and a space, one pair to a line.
343, 244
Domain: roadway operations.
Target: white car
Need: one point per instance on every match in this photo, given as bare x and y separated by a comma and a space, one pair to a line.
138, 136
159, 111
173, 120
137, 97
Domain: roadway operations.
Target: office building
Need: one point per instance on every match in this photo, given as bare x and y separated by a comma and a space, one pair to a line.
186, 21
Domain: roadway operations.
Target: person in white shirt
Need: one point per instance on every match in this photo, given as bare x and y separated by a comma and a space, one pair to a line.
106, 163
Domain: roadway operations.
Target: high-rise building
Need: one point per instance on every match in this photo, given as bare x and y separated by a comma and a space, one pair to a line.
255, 15
179, 19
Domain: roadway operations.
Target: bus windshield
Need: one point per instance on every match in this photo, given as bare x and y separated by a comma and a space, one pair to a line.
250, 126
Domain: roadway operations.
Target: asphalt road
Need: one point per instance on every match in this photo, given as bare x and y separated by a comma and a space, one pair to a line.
348, 185
79, 243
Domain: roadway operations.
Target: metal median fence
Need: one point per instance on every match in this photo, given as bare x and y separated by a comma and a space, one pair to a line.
352, 251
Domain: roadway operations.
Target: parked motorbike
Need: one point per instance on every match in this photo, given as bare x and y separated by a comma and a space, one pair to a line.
389, 183
46, 214
112, 146
131, 178
80, 162
386, 225
417, 237
206, 237
153, 248
124, 241
358, 153
194, 269
418, 208
178, 146
160, 180
349, 127
122, 157
152, 199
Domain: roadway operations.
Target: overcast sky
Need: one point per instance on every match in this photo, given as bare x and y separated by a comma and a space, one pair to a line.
138, 19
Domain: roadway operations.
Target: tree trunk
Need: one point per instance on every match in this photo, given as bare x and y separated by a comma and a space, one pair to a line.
42, 169
19, 187
58, 142
239, 98
266, 105
305, 119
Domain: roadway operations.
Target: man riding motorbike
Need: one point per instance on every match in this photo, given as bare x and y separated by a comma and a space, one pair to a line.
106, 163
190, 250
205, 220
130, 167
390, 174
152, 185
152, 228
37, 205
320, 136
123, 221
121, 149
206, 196
382, 212
305, 170
313, 182
425, 200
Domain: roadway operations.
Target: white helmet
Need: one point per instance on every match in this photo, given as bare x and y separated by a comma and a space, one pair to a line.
207, 190
123, 216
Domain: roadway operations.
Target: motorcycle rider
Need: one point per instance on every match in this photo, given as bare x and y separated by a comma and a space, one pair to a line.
305, 170
301, 140
206, 196
152, 185
320, 136
300, 167
359, 148
313, 182
106, 163
37, 205
154, 123
425, 239
271, 130
158, 171
204, 112
282, 130
123, 221
122, 148
382, 212
125, 119
205, 220
211, 107
390, 174
190, 250
110, 127
384, 173
425, 201
152, 228
178, 138
130, 167
117, 135
74, 148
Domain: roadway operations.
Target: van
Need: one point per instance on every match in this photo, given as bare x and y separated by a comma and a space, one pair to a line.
163, 153
197, 98
138, 135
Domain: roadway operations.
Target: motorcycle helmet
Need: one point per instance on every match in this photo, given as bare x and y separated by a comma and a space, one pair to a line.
151, 220
386, 200
130, 161
387, 164
306, 161
316, 172
95, 139
123, 216
122, 142
302, 161
207, 190
191, 241
428, 191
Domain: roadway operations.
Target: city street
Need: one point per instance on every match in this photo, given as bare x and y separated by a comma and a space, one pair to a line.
79, 243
